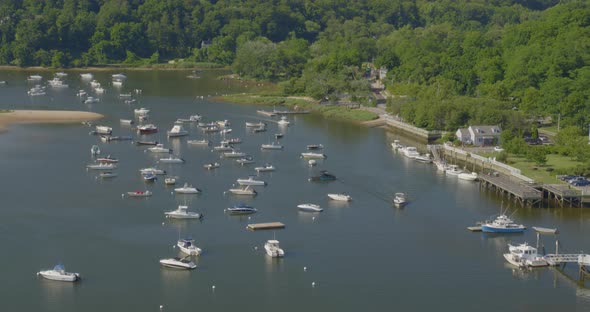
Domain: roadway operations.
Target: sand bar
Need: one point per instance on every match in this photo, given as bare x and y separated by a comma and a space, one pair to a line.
44, 116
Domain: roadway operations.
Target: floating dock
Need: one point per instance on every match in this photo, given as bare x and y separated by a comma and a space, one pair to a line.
265, 226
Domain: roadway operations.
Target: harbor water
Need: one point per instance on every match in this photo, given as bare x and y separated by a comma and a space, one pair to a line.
362, 254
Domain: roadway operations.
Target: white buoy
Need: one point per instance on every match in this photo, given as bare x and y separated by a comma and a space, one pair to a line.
313, 218
304, 269
173, 246
312, 284
123, 195
213, 287
161, 307
255, 247
248, 218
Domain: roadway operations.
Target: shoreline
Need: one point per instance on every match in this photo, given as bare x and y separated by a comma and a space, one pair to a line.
106, 68
44, 117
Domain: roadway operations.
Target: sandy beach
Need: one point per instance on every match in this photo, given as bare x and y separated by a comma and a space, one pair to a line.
44, 116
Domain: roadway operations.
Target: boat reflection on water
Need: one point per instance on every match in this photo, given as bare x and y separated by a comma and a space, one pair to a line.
56, 295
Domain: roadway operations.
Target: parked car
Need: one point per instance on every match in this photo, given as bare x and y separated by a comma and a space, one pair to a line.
581, 183
498, 149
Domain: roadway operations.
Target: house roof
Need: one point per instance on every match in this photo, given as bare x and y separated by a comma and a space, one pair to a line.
464, 132
486, 130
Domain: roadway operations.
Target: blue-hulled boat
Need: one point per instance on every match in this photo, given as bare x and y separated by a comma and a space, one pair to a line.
502, 224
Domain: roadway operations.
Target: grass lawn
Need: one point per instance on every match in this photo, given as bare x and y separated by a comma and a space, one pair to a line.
540, 174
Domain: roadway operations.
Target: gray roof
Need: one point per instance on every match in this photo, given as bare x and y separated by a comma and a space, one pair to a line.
464, 132
486, 130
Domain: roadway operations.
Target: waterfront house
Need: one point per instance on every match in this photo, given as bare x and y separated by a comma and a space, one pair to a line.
479, 135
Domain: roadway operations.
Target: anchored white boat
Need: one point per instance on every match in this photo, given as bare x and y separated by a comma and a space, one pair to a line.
152, 171
159, 148
502, 224
104, 130
265, 168
255, 124
91, 100
271, 146
178, 263
241, 209
243, 191
234, 154
108, 159
59, 274
170, 181
409, 151
314, 155
171, 160
210, 166
141, 111
245, 160
139, 194
467, 176
453, 170
340, 197
187, 246
310, 207
118, 76
102, 166
126, 121
250, 181
272, 248
524, 255
284, 121
198, 142
400, 199
177, 131
183, 213
108, 174
87, 76
223, 148
95, 150
315, 146
187, 189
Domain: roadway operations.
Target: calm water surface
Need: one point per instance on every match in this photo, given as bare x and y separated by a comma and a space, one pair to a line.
362, 254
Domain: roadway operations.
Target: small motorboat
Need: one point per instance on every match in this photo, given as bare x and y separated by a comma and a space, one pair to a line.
146, 143
147, 129
178, 263
210, 166
400, 199
241, 209
310, 207
159, 148
284, 121
170, 181
243, 191
314, 155
107, 175
187, 189
199, 142
255, 124
272, 248
35, 78
119, 76
323, 176
315, 147
152, 171
108, 159
261, 129
250, 181
150, 177
86, 76
182, 213
543, 230
223, 123
59, 274
95, 150
104, 130
126, 121
120, 138
453, 170
171, 160
81, 93
187, 246
91, 100
524, 255
177, 131
139, 194
223, 148
279, 135
265, 168
245, 160
467, 176
312, 162
271, 146
225, 131
102, 166
424, 158
234, 154
233, 141
340, 197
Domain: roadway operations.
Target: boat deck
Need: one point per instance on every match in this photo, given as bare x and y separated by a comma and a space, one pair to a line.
265, 226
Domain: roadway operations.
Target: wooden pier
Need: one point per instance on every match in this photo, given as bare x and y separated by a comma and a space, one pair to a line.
519, 191
265, 226
563, 194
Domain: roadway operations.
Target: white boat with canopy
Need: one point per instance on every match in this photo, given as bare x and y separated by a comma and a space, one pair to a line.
182, 213
187, 245
272, 248
58, 273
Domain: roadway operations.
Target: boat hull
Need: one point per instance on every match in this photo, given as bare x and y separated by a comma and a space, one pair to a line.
492, 229
68, 277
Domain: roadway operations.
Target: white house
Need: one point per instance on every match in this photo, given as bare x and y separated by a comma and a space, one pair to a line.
479, 135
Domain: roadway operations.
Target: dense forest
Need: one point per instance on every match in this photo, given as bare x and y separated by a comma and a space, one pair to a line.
449, 62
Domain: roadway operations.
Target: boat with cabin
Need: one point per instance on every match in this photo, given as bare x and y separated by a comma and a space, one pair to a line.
310, 207
139, 194
182, 213
152, 170
400, 199
245, 160
265, 168
284, 121
339, 197
271, 146
170, 181
241, 209
171, 160
248, 190
314, 155
159, 148
187, 189
524, 255
250, 181
324, 175
272, 248
177, 131
467, 176
223, 148
95, 150
502, 224
149, 177
211, 166
255, 124
453, 170
187, 245
102, 166
147, 129
141, 111
178, 263
234, 154
58, 273
104, 130
126, 121
199, 142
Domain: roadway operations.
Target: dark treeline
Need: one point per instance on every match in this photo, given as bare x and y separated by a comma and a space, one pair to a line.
455, 62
